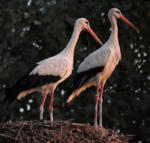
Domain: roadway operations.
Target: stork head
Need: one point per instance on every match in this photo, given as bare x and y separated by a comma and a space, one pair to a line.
114, 12
83, 24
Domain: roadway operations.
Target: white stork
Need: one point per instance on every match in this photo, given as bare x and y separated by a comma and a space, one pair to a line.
48, 73
99, 65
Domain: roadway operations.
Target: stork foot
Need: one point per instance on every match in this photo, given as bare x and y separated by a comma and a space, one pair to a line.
100, 125
41, 112
104, 131
51, 116
95, 125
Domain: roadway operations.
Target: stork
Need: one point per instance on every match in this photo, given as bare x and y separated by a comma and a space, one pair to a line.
47, 74
97, 67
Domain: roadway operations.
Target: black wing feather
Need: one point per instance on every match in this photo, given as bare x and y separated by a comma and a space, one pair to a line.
82, 77
28, 82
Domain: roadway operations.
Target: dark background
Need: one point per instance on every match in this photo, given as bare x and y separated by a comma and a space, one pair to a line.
36, 29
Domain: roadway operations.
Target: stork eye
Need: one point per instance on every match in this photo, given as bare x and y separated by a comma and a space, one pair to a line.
118, 12
86, 22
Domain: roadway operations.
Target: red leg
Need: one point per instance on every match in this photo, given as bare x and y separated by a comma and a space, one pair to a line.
100, 105
96, 108
42, 105
51, 107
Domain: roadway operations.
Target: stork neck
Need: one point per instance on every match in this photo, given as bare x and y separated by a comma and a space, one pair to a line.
114, 26
114, 36
69, 50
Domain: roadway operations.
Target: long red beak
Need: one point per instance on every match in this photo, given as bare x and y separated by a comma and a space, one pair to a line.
129, 23
94, 35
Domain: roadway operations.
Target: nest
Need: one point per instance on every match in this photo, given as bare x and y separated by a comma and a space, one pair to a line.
44, 131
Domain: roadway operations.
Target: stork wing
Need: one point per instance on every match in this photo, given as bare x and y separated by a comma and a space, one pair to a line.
83, 77
96, 59
44, 72
51, 66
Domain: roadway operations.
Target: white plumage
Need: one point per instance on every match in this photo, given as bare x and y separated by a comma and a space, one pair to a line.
56, 66
98, 58
99, 65
48, 73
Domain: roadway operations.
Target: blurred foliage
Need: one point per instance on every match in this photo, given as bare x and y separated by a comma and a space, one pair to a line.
34, 30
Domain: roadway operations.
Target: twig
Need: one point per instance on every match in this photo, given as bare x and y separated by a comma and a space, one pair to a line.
16, 138
60, 134
78, 124
3, 135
